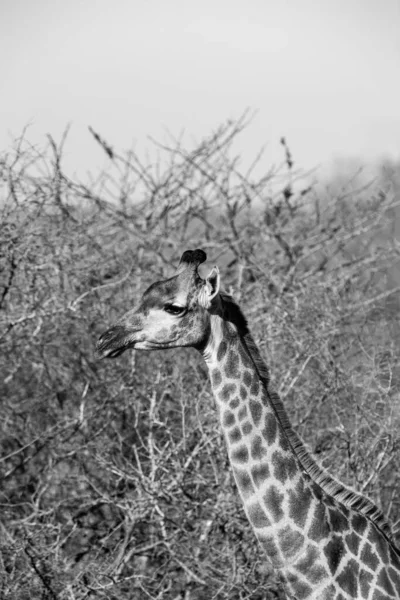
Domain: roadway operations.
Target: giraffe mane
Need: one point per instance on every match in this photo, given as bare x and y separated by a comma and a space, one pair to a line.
330, 485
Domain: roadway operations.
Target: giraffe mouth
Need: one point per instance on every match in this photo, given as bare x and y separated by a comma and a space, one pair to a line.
114, 353
113, 343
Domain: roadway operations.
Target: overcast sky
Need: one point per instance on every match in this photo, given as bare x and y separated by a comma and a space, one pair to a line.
324, 73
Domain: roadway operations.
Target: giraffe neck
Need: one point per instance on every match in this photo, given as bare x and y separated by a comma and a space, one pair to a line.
323, 549
270, 479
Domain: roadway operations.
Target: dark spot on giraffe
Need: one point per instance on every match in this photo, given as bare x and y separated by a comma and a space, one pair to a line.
242, 414
244, 483
300, 590
247, 428
314, 488
243, 392
247, 378
348, 578
291, 467
273, 501
359, 523
164, 333
240, 455
259, 474
223, 347
255, 387
284, 466
337, 520
395, 576
271, 549
159, 289
216, 377
369, 558
365, 582
245, 357
317, 574
235, 435
232, 365
234, 403
283, 441
395, 557
318, 492
334, 551
319, 526
228, 418
309, 568
227, 391
329, 501
270, 427
385, 583
299, 503
257, 516
290, 541
257, 449
380, 543
256, 411
353, 542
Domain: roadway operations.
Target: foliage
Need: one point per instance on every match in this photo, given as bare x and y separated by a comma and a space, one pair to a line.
114, 477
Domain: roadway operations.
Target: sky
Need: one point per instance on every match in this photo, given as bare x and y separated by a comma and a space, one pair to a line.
322, 73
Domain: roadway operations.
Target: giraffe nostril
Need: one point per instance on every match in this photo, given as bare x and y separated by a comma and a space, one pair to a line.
104, 337
114, 342
111, 334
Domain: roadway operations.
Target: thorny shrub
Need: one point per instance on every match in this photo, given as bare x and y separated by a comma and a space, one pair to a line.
114, 478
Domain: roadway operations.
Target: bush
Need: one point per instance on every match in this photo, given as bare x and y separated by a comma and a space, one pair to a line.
115, 479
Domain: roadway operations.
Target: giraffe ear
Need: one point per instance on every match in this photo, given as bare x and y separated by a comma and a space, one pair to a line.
210, 288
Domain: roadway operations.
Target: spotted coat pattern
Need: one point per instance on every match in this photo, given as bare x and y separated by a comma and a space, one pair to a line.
320, 548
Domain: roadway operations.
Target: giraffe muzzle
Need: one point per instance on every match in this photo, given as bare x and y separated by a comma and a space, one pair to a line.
114, 342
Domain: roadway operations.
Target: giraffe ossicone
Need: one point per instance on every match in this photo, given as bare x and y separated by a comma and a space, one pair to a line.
326, 541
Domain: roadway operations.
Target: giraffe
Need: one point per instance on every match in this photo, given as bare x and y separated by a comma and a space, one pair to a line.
325, 541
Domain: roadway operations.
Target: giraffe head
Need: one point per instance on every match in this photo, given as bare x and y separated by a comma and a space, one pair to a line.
171, 313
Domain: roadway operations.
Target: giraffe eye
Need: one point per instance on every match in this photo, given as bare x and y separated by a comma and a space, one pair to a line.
174, 309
